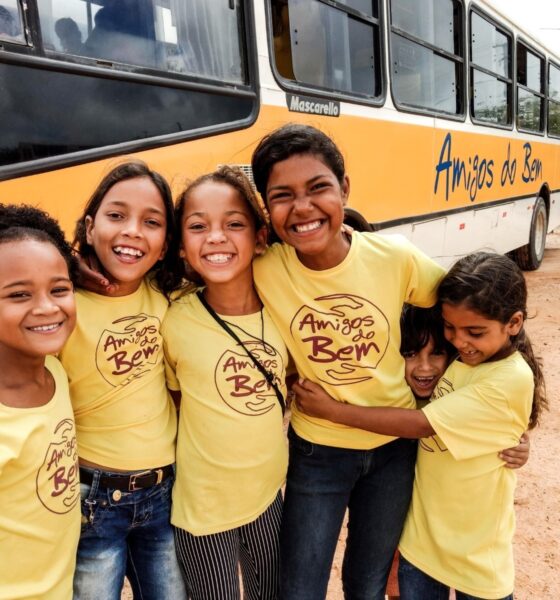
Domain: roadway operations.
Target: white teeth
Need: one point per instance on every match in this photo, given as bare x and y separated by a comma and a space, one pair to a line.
218, 258
45, 327
307, 227
129, 251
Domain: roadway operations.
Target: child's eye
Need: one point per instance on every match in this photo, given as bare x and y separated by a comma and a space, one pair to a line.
278, 197
195, 227
319, 185
61, 290
20, 295
153, 223
410, 354
115, 216
476, 334
236, 225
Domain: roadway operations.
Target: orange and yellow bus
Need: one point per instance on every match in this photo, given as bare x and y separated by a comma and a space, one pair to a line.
447, 112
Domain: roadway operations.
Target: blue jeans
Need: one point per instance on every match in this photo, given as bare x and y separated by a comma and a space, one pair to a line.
414, 584
127, 533
375, 485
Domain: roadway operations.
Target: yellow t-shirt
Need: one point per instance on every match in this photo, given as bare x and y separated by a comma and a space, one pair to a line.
231, 450
461, 520
125, 417
39, 497
342, 326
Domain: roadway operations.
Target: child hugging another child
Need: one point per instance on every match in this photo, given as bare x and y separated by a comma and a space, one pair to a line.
39, 485
336, 300
460, 524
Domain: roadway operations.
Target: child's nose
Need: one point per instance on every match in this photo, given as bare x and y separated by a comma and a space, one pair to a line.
132, 228
216, 236
45, 306
302, 203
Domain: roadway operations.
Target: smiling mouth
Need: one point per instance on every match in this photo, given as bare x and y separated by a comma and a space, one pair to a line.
219, 259
424, 382
127, 253
46, 328
307, 227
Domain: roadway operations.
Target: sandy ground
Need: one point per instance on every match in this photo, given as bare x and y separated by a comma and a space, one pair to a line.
537, 543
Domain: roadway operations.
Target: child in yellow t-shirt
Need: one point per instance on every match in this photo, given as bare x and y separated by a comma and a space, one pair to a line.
126, 421
39, 484
427, 355
228, 360
460, 524
336, 300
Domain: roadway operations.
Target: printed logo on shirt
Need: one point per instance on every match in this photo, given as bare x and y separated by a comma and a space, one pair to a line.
345, 339
434, 443
58, 483
242, 386
128, 350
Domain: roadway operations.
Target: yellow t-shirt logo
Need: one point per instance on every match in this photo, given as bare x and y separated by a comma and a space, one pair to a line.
345, 340
129, 350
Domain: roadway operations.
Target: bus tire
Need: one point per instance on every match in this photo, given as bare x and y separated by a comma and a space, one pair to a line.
530, 256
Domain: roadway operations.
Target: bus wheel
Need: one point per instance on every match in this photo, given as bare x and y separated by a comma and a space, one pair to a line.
530, 257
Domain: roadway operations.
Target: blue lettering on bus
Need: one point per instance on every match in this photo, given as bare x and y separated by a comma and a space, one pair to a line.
473, 173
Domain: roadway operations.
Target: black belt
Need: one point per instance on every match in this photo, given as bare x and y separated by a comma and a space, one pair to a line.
129, 483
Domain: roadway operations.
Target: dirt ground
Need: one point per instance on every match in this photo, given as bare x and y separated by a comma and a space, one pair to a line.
537, 540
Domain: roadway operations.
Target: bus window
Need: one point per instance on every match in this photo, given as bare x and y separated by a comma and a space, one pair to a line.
328, 46
11, 22
553, 100
530, 90
491, 70
190, 37
427, 61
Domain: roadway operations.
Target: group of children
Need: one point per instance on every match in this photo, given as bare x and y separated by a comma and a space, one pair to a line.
199, 312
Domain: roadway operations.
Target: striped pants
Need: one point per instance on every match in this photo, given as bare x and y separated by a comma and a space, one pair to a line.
210, 563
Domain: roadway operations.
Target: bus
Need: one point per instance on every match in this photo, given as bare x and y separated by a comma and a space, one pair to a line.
447, 112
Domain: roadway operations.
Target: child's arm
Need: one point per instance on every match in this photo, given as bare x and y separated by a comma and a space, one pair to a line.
516, 457
401, 422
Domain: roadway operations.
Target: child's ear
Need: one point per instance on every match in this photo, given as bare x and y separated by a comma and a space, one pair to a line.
345, 189
260, 241
88, 222
515, 323
182, 252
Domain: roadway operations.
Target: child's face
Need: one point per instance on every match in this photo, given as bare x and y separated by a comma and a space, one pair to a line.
219, 239
423, 369
128, 232
477, 338
37, 310
306, 205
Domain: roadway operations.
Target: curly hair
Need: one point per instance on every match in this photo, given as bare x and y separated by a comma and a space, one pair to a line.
493, 286
25, 222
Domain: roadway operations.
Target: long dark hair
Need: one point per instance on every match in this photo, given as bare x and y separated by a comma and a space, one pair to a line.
494, 286
166, 271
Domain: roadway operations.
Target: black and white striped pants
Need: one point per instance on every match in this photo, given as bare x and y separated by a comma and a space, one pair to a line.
210, 562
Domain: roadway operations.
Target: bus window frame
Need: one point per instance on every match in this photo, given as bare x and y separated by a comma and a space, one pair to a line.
33, 55
288, 85
416, 110
475, 8
549, 63
543, 95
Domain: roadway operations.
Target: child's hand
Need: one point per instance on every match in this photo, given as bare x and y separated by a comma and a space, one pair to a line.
516, 457
92, 280
313, 400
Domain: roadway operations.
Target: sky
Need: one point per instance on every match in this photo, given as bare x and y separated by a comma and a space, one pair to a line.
540, 17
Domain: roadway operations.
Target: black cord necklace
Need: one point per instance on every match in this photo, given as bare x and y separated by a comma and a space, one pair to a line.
270, 351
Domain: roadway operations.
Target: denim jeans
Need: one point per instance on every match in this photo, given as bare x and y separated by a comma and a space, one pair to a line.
127, 533
375, 485
414, 584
